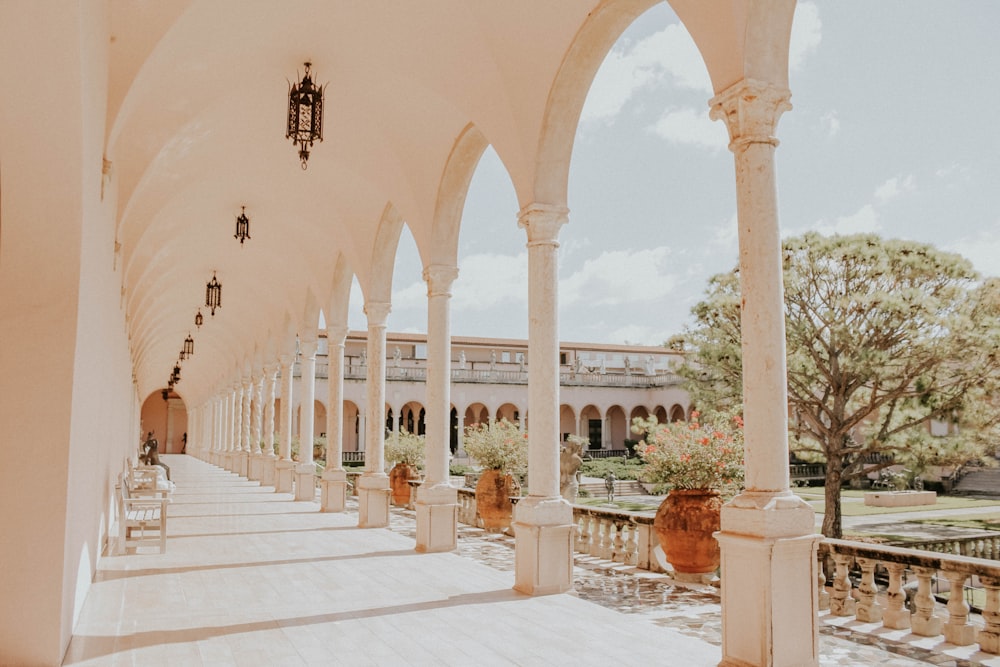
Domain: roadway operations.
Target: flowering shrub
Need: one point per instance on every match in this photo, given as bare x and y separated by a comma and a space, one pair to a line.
404, 447
498, 446
693, 455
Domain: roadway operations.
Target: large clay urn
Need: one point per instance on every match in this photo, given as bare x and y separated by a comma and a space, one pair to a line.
399, 482
684, 523
493, 492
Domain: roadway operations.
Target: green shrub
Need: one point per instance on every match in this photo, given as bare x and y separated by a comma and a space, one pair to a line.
622, 468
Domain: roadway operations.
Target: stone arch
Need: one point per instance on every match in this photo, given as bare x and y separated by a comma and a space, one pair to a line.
167, 419
677, 413
568, 424
591, 425
476, 413
661, 414
352, 435
510, 412
618, 427
413, 414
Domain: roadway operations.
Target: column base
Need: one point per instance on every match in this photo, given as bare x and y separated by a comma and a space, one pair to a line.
241, 461
437, 518
373, 500
284, 476
227, 461
769, 573
333, 490
267, 471
305, 481
543, 547
256, 467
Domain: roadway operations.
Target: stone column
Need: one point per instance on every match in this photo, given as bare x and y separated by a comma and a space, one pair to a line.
333, 486
216, 430
244, 448
285, 467
767, 540
437, 500
233, 428
267, 464
543, 522
305, 471
256, 422
373, 485
460, 450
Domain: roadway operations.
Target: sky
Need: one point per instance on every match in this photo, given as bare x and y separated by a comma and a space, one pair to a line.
891, 132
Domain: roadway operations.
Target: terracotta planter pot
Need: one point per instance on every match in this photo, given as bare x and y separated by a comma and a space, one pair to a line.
493, 492
684, 524
399, 482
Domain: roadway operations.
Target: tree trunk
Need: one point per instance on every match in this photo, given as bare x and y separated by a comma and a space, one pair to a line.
831, 510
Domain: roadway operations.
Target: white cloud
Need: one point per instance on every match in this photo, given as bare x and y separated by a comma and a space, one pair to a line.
894, 187
687, 126
830, 121
619, 277
486, 280
668, 55
726, 236
806, 34
864, 220
982, 249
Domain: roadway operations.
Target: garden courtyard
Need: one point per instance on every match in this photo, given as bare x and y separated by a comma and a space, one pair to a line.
254, 577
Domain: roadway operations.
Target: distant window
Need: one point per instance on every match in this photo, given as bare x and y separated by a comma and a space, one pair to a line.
420, 351
505, 357
562, 358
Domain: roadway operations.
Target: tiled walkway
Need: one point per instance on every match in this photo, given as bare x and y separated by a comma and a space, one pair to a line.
252, 577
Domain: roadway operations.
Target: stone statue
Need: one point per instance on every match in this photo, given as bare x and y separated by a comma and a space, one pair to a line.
570, 460
628, 366
520, 361
364, 357
151, 454
461, 360
609, 484
649, 365
577, 365
396, 356
604, 368
493, 360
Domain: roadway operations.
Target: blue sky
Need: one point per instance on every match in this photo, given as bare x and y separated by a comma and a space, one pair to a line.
892, 131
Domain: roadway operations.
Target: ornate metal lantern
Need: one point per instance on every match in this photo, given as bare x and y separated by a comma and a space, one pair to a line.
305, 115
188, 348
166, 392
198, 319
213, 294
242, 226
175, 377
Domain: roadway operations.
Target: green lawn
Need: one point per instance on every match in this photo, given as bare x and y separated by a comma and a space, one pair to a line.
852, 503
626, 505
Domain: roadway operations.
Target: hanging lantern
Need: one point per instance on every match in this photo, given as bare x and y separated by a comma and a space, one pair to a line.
213, 294
166, 392
242, 226
198, 319
188, 348
305, 115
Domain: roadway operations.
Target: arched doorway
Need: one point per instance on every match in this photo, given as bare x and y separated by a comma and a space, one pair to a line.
165, 415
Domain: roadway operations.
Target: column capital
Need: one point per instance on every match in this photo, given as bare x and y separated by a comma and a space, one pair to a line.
439, 278
307, 348
751, 110
336, 335
542, 222
271, 369
377, 312
286, 359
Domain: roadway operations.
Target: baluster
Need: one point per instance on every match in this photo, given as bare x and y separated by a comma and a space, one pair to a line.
895, 616
824, 596
923, 622
989, 636
841, 602
596, 536
580, 544
606, 539
868, 608
631, 546
585, 535
957, 629
618, 551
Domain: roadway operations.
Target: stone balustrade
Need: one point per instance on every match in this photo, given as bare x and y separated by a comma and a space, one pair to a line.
985, 546
865, 603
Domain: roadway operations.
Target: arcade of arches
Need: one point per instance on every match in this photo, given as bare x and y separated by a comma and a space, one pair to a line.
138, 132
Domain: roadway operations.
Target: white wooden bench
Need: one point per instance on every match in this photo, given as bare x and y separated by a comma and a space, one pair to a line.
142, 513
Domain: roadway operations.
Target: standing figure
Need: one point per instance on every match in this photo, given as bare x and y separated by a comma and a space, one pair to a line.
609, 484
151, 454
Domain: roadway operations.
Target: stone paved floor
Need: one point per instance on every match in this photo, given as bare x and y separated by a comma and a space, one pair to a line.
252, 577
